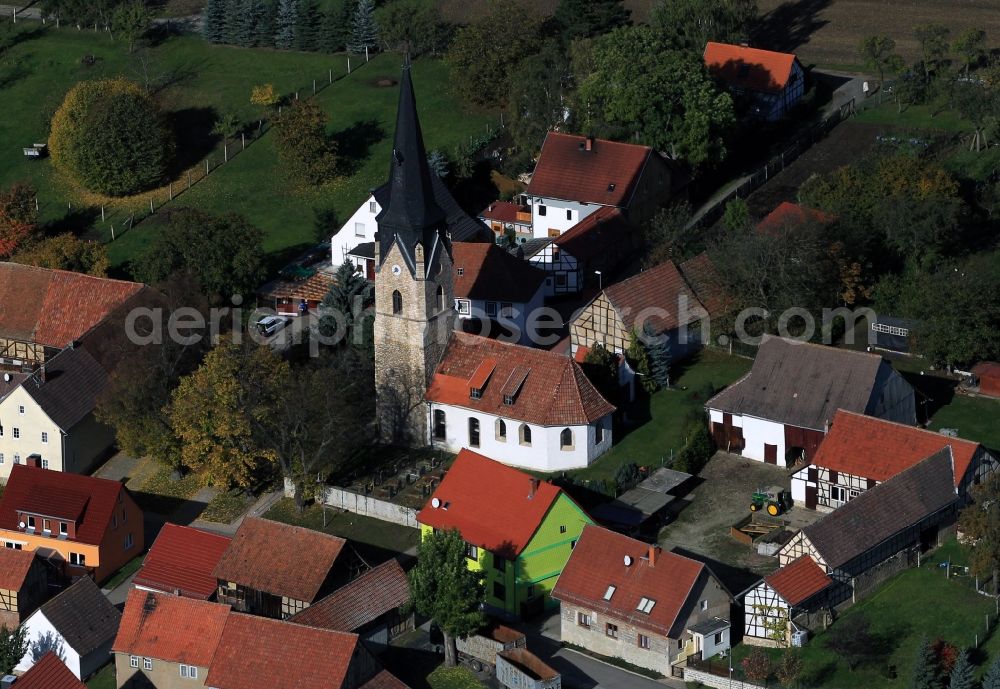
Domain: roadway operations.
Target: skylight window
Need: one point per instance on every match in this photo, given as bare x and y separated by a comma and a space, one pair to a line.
646, 605
610, 592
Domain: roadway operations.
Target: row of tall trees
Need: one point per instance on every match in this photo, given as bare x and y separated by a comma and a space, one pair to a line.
293, 24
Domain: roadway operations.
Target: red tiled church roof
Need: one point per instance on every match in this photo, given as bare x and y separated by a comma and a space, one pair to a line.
553, 392
877, 449
170, 628
598, 562
798, 580
487, 272
56, 307
182, 560
279, 559
490, 503
661, 288
49, 673
256, 652
606, 174
95, 497
750, 68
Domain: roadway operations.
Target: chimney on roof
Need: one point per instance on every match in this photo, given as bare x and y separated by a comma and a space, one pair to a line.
533, 484
653, 551
34, 461
589, 144
826, 426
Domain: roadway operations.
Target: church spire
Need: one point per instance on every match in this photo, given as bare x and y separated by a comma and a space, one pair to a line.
410, 214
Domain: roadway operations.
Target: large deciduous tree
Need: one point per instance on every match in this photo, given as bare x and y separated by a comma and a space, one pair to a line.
65, 252
971, 45
933, 40
980, 522
130, 21
109, 137
223, 252
538, 97
413, 26
588, 18
877, 52
307, 152
689, 24
643, 90
443, 588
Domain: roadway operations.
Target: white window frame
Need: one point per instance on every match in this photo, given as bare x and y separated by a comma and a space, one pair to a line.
147, 664
133, 661
463, 306
491, 309
45, 437
372, 207
17, 433
20, 409
359, 229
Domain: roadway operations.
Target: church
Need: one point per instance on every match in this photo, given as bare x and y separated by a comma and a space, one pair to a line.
434, 386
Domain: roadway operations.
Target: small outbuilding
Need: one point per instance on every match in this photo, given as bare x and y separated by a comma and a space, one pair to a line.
987, 375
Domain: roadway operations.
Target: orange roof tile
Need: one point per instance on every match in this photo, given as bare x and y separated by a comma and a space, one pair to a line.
485, 271
790, 215
14, 567
297, 562
384, 680
661, 288
182, 560
605, 233
490, 503
170, 628
505, 212
606, 174
97, 498
380, 590
703, 278
798, 580
598, 562
56, 307
256, 652
877, 449
555, 392
750, 68
49, 673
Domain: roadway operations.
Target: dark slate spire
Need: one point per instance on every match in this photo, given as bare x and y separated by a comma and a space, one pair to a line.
410, 214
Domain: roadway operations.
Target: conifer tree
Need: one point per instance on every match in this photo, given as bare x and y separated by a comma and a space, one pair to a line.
232, 22
962, 674
925, 668
215, 21
638, 358
243, 23
264, 27
364, 30
336, 26
659, 359
284, 34
991, 680
307, 25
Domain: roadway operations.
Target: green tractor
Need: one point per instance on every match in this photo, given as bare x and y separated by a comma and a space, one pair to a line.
774, 500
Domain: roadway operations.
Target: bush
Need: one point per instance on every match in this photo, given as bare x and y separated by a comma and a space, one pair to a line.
697, 448
309, 155
110, 138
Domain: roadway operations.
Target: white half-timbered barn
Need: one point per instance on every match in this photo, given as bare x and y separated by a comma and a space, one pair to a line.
771, 605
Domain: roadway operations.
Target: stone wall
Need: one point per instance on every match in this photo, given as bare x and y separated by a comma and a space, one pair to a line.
710, 680
365, 505
626, 646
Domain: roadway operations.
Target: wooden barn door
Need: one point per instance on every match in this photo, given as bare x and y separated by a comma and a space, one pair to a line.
770, 453
812, 496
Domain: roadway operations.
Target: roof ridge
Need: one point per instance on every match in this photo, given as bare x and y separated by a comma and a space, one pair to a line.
876, 420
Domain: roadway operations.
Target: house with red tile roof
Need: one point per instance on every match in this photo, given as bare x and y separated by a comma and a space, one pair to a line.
771, 606
505, 217
81, 525
181, 562
49, 673
860, 452
577, 175
276, 570
495, 292
788, 216
529, 407
23, 585
627, 599
519, 530
370, 606
770, 83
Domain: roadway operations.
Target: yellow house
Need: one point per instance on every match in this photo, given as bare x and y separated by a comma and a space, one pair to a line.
520, 530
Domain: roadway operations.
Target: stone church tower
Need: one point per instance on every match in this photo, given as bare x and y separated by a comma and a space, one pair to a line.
414, 297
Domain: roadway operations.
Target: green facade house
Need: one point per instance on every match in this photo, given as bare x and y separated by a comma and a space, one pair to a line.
519, 530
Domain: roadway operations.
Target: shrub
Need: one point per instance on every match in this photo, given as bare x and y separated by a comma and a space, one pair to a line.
109, 137
307, 153
697, 448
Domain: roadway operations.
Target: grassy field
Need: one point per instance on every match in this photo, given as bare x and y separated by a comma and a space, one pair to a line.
974, 417
225, 507
453, 678
127, 570
900, 616
827, 32
651, 443
919, 117
103, 678
375, 533
200, 80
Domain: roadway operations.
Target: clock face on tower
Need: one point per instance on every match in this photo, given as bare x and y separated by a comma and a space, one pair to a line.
396, 270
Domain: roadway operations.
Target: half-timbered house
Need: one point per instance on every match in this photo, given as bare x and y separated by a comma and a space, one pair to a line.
904, 514
277, 570
770, 83
859, 452
780, 411
23, 585
771, 605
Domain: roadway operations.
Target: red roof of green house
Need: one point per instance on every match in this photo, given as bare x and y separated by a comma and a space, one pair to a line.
494, 506
799, 580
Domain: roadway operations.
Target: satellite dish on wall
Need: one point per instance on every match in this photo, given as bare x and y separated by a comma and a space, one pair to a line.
435, 503
21, 524
6, 377
628, 560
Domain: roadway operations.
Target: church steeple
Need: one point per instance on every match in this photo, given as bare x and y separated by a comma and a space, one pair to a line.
410, 214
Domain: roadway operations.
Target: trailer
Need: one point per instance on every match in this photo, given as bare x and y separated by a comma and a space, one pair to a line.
480, 651
519, 668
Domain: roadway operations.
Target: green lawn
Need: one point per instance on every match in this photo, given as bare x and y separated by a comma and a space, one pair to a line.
162, 494
225, 507
651, 443
916, 604
103, 678
127, 570
357, 528
206, 79
914, 117
453, 678
976, 418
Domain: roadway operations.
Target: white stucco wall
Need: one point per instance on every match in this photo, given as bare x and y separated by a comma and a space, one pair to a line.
757, 433
544, 453
30, 426
555, 217
709, 648
36, 627
799, 486
516, 321
347, 237
565, 264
